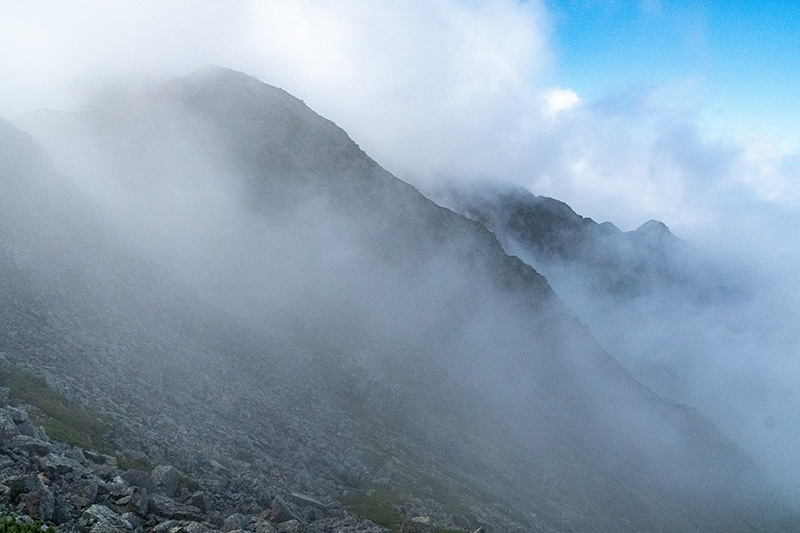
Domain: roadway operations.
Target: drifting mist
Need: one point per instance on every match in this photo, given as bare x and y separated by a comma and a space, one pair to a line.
238, 193
713, 332
249, 201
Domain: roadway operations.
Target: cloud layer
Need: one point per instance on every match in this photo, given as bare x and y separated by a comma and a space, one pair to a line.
455, 89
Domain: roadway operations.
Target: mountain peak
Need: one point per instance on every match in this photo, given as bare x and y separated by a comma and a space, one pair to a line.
234, 87
214, 71
213, 77
654, 227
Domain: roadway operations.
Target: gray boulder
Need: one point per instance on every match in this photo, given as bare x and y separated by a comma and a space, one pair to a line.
200, 500
8, 429
304, 500
137, 478
40, 505
167, 478
30, 444
261, 525
234, 522
19, 485
191, 527
57, 465
138, 501
283, 511
291, 526
83, 492
101, 519
23, 423
100, 458
167, 507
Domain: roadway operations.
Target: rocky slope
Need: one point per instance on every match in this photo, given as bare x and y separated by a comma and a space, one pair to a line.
82, 490
242, 295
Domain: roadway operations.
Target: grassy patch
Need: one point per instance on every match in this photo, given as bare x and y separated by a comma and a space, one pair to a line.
61, 420
126, 463
438, 491
9, 524
377, 505
190, 483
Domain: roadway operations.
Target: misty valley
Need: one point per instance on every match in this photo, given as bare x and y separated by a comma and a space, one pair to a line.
217, 313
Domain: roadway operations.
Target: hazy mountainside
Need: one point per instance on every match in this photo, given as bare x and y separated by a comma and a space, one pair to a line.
639, 290
697, 329
247, 296
548, 233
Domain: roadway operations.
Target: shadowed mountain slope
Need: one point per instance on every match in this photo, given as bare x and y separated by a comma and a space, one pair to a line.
248, 296
672, 313
547, 232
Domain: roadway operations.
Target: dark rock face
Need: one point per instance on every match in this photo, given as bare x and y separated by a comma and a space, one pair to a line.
549, 233
84, 493
101, 519
166, 478
40, 505
137, 478
334, 331
19, 485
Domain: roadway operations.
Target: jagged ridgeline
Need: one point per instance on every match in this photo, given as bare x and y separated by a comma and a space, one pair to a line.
241, 293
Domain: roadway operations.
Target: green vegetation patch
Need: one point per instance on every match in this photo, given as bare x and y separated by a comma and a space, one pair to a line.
127, 463
9, 524
190, 483
376, 504
61, 419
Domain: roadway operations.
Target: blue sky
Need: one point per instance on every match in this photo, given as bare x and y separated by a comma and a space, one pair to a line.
742, 59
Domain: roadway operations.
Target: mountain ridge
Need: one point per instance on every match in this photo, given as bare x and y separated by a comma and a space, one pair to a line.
547, 232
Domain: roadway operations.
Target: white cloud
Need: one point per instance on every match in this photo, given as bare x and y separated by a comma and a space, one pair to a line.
52, 50
464, 90
558, 99
447, 88
422, 89
452, 88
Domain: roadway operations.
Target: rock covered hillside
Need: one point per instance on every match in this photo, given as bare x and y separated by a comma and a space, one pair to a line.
244, 299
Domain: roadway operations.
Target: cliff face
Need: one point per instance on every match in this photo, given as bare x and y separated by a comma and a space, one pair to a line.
247, 296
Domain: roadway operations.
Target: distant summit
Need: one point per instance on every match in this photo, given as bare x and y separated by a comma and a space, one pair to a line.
549, 234
655, 227
656, 230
